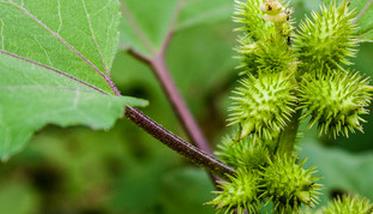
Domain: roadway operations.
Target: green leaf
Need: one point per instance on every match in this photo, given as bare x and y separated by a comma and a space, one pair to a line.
55, 59
340, 170
365, 18
147, 24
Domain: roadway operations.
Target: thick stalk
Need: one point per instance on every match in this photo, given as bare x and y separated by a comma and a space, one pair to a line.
177, 144
288, 137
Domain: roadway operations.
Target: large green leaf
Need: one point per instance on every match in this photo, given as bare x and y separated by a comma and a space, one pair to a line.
147, 24
55, 59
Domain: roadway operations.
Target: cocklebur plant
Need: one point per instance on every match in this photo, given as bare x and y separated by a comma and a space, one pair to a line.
289, 74
50, 73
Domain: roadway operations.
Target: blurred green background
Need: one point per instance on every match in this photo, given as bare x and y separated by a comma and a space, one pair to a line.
77, 170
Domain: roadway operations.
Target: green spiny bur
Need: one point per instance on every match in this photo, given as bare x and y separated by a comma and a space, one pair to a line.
263, 106
335, 101
328, 39
248, 15
259, 57
245, 154
349, 205
288, 184
240, 193
263, 45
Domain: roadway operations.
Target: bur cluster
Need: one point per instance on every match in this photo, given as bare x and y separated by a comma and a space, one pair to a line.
288, 74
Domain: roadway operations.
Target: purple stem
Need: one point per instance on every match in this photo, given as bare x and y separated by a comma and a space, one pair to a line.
185, 117
189, 124
158, 66
174, 142
177, 144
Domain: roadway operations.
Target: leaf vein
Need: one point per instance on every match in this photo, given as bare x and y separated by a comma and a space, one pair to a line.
44, 50
59, 16
49, 68
93, 34
2, 39
62, 40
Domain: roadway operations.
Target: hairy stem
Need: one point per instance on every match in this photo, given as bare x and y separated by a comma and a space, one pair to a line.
177, 144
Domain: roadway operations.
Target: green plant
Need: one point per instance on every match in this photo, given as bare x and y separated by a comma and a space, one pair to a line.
52, 73
288, 75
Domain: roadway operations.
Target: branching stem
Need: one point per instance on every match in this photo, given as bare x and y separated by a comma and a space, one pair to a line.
158, 66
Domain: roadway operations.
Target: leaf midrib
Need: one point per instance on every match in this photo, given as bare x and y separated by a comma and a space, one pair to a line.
51, 69
68, 46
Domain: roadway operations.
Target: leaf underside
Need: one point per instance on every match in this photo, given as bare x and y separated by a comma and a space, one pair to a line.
55, 62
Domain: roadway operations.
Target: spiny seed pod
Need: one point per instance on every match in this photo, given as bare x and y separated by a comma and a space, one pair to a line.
243, 153
263, 106
246, 13
288, 184
238, 195
335, 101
264, 46
328, 38
349, 205
260, 57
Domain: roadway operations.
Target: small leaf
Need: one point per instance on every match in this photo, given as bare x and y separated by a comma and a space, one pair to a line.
55, 59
